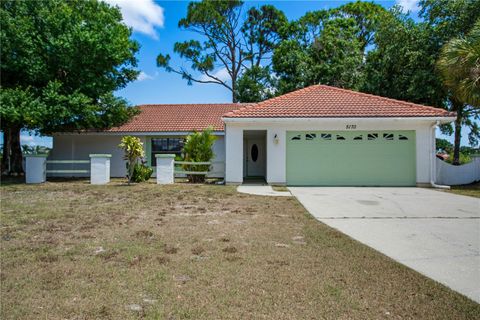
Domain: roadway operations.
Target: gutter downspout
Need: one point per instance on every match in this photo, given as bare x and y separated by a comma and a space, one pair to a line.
433, 172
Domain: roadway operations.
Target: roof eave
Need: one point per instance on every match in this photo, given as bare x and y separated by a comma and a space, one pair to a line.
441, 119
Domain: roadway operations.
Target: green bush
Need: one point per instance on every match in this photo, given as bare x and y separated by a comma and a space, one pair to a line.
198, 148
141, 172
464, 158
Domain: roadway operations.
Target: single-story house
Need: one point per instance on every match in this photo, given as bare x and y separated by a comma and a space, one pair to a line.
319, 135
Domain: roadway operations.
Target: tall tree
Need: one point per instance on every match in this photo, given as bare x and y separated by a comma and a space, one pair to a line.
328, 46
332, 55
449, 19
402, 63
61, 62
229, 42
459, 65
367, 16
262, 30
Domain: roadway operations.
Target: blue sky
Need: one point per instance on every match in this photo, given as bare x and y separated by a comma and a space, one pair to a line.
155, 27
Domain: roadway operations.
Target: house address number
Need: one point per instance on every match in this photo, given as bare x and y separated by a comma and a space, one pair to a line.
351, 126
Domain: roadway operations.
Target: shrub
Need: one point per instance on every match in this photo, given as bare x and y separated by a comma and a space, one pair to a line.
463, 159
133, 148
141, 172
198, 148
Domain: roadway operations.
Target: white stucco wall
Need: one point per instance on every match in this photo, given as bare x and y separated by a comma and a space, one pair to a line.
276, 153
80, 146
218, 163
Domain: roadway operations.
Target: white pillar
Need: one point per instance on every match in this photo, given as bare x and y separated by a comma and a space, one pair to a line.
234, 154
100, 168
36, 168
165, 168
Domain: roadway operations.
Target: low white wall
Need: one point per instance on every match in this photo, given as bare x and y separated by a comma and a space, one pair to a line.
276, 153
451, 175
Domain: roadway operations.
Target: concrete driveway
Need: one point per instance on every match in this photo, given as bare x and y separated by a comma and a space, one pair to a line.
433, 232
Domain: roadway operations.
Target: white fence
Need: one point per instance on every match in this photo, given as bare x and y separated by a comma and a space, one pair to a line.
451, 175
36, 168
64, 164
168, 168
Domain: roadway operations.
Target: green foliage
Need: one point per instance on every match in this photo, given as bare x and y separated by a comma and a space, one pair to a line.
26, 149
61, 62
333, 57
459, 65
462, 159
450, 18
141, 172
443, 145
327, 46
367, 16
262, 31
256, 84
133, 149
198, 148
402, 64
469, 150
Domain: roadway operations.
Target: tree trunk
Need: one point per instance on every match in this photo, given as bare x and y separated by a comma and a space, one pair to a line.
234, 88
12, 151
458, 132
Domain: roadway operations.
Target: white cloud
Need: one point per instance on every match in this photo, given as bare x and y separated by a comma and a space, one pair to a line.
408, 5
142, 15
221, 74
144, 76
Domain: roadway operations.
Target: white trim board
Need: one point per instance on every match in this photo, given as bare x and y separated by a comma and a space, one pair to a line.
152, 133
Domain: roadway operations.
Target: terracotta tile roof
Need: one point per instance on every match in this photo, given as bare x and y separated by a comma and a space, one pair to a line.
178, 117
320, 101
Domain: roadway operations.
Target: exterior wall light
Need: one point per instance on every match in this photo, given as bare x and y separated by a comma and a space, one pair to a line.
275, 139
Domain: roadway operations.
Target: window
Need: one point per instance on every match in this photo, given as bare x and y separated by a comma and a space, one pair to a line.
310, 136
388, 136
165, 146
372, 136
326, 136
339, 137
297, 137
402, 137
359, 137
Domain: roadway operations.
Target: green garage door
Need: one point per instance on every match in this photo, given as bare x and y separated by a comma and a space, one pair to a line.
351, 158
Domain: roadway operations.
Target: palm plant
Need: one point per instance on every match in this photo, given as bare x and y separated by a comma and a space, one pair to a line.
459, 66
198, 148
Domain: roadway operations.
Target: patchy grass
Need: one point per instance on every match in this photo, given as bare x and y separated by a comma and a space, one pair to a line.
472, 190
280, 188
70, 250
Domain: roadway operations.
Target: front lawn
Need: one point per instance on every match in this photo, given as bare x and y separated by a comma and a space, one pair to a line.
472, 190
70, 250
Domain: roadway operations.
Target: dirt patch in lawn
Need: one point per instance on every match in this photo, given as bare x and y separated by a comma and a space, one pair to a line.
70, 250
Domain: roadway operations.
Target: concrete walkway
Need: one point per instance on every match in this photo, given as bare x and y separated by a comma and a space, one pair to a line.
260, 190
433, 232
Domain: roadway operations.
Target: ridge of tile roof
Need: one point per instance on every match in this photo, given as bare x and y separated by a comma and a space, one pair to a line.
321, 101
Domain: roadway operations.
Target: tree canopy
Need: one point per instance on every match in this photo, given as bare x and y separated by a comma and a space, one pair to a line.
61, 62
